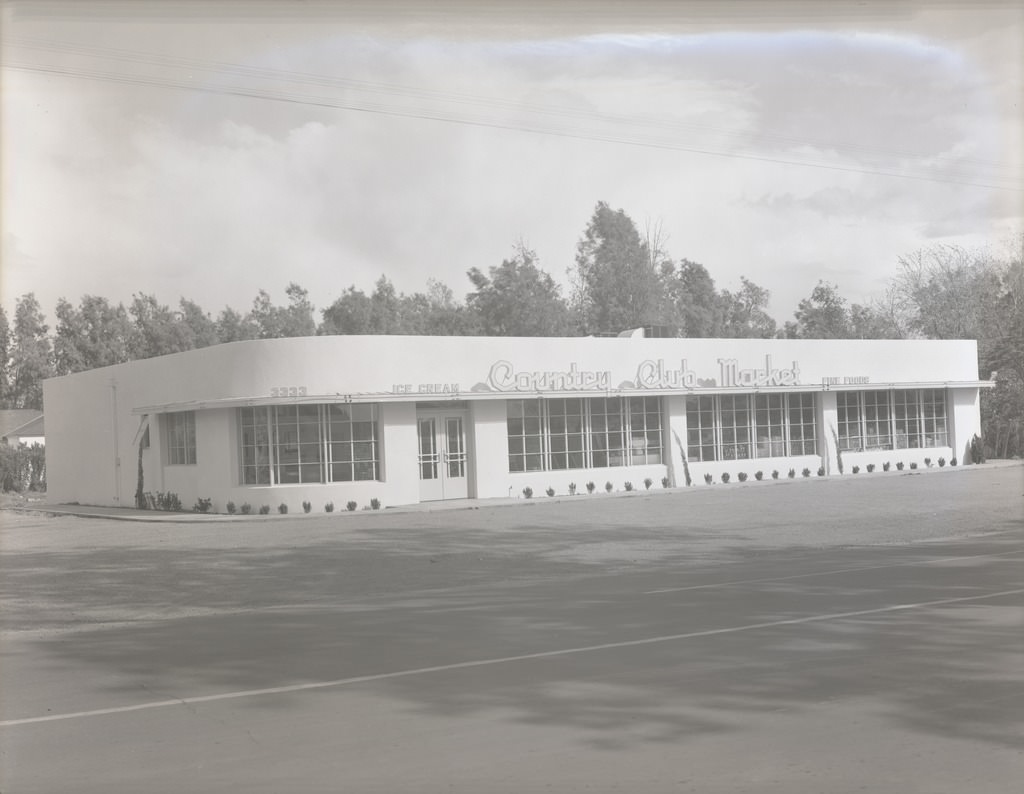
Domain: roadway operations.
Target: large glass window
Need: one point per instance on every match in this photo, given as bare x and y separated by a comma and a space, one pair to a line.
901, 419
578, 433
181, 437
738, 427
284, 444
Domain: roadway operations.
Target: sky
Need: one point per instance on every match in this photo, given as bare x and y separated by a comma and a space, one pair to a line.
211, 150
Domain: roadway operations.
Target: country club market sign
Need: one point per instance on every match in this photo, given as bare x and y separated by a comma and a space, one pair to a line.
650, 374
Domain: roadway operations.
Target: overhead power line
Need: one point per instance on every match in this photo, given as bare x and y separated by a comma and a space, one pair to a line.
473, 110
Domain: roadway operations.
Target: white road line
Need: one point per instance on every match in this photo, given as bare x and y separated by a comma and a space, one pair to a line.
278, 690
733, 582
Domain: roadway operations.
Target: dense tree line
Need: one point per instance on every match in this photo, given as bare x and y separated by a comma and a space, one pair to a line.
621, 279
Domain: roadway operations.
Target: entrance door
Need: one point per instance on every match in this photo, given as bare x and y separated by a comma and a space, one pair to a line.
443, 458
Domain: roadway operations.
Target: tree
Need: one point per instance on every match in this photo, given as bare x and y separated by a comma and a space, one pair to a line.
434, 313
745, 313
518, 299
31, 355
823, 315
201, 327
352, 313
694, 303
615, 282
234, 327
156, 330
5, 356
96, 334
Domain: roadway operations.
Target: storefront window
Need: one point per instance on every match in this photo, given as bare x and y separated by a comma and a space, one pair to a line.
181, 437
285, 444
578, 433
738, 427
902, 419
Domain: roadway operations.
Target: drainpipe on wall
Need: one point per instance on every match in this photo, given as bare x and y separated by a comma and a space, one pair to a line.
117, 446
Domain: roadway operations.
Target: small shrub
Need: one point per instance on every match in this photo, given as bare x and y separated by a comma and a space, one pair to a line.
609, 487
775, 474
977, 449
528, 492
572, 489
351, 506
628, 485
648, 482
375, 503
264, 510
899, 465
791, 474
282, 508
245, 509
886, 466
329, 507
806, 472
928, 462
230, 507
708, 478
952, 461
202, 505
591, 487
942, 462
856, 469
725, 476
870, 467
742, 476
821, 471
168, 501
306, 507
550, 491
665, 482
758, 475
913, 465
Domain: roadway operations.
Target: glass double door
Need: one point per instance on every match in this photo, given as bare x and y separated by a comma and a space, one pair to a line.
443, 458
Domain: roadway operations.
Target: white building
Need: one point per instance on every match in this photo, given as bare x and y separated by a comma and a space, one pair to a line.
411, 419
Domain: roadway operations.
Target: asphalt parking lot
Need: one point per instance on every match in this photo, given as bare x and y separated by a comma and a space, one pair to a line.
854, 634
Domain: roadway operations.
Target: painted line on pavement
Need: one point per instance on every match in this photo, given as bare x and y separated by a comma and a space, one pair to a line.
766, 580
279, 690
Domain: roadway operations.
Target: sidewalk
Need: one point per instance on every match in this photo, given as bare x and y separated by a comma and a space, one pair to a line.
134, 514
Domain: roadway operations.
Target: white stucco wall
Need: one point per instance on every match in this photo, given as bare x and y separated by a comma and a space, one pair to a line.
93, 417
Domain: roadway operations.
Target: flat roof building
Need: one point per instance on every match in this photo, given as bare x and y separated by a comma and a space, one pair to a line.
410, 419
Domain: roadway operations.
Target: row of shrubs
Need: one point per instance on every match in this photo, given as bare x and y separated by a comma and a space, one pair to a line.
171, 502
592, 486
759, 475
22, 468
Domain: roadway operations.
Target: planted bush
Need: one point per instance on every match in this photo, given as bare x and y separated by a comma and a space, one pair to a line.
725, 476
899, 465
758, 475
245, 509
608, 486
913, 465
351, 506
942, 462
775, 474
856, 469
806, 472
885, 466
264, 510
528, 492
821, 471
230, 507
329, 507
282, 508
791, 474
628, 485
306, 507
648, 482
871, 467
550, 491
375, 503
952, 461
665, 482
708, 478
742, 476
202, 505
591, 487
572, 489
167, 501
928, 462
